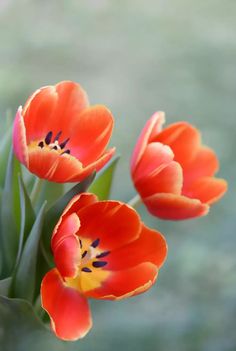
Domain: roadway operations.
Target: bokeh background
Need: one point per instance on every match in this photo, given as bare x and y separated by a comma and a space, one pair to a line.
138, 57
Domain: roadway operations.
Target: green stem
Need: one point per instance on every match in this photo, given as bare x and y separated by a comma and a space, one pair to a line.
36, 190
135, 201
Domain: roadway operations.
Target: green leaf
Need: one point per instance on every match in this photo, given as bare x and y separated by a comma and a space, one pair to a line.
5, 286
10, 215
103, 182
21, 329
51, 192
25, 277
27, 217
5, 147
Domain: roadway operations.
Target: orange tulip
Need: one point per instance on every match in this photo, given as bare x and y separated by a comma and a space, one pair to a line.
173, 172
101, 250
59, 137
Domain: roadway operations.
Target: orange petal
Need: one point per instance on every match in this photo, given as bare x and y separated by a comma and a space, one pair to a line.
152, 127
50, 165
204, 164
66, 247
184, 140
175, 207
68, 310
126, 283
95, 166
155, 156
76, 203
72, 100
54, 108
113, 222
207, 189
91, 134
164, 180
19, 138
150, 247
38, 113
67, 256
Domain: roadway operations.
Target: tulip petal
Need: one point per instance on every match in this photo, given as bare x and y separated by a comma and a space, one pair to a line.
50, 165
68, 309
204, 164
69, 225
163, 180
66, 246
67, 256
153, 126
19, 138
112, 222
126, 283
207, 189
155, 156
77, 203
184, 140
175, 207
52, 107
38, 113
150, 247
91, 134
95, 166
72, 100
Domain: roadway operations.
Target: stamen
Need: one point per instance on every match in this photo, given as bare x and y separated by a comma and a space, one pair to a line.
84, 254
80, 242
57, 136
98, 264
63, 144
86, 269
66, 152
41, 144
103, 254
48, 138
95, 243
55, 147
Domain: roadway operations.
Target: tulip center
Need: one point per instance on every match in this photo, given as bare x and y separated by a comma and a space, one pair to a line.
91, 276
54, 144
92, 257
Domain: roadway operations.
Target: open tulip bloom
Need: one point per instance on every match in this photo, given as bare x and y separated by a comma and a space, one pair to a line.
173, 172
59, 137
61, 247
102, 250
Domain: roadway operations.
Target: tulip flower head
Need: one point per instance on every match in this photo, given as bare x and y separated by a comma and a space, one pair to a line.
173, 172
102, 250
59, 137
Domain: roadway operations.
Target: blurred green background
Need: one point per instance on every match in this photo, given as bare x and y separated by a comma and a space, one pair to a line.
138, 57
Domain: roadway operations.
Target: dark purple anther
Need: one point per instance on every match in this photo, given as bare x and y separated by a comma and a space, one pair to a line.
95, 243
57, 136
103, 254
86, 269
84, 254
48, 138
63, 144
98, 264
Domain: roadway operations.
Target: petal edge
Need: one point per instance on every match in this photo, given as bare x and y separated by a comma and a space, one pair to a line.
68, 309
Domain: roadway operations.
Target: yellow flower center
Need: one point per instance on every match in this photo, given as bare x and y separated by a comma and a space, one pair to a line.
91, 274
51, 143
